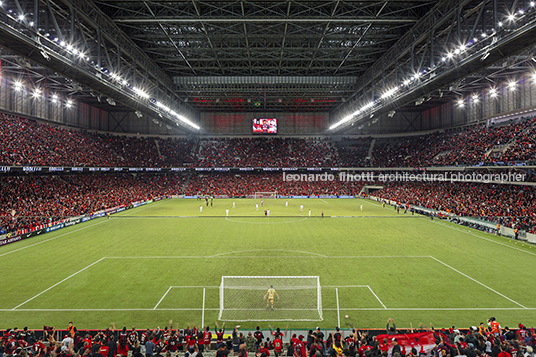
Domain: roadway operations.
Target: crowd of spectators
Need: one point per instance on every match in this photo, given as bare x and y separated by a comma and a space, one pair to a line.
30, 201
27, 142
509, 205
484, 340
26, 201
507, 143
266, 152
247, 184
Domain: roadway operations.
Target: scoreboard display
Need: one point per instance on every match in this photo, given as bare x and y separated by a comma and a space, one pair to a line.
265, 126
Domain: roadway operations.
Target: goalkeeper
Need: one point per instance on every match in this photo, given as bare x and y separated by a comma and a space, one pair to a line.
270, 295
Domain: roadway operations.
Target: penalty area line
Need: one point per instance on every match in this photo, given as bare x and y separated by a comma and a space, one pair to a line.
324, 309
376, 296
162, 298
58, 283
478, 282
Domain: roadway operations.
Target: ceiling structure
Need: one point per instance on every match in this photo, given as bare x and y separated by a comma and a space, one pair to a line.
281, 46
179, 58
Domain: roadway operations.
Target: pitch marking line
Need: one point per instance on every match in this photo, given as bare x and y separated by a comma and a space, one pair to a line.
478, 282
324, 309
218, 256
185, 286
294, 221
376, 297
268, 250
58, 283
48, 240
354, 286
134, 210
162, 298
484, 238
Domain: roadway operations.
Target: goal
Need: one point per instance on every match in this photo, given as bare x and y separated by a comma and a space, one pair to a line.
265, 195
242, 298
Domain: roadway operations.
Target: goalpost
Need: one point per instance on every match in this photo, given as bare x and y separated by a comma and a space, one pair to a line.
242, 298
264, 195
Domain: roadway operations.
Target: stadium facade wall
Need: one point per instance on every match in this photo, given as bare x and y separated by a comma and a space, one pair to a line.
81, 115
287, 123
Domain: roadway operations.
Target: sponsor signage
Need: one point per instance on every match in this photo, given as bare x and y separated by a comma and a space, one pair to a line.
8, 240
54, 227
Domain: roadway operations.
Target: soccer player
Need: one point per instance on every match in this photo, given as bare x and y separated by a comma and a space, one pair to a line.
309, 213
286, 203
270, 294
361, 208
227, 212
301, 208
233, 204
200, 209
257, 206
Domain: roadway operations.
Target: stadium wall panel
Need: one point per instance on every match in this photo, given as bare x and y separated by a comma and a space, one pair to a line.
81, 115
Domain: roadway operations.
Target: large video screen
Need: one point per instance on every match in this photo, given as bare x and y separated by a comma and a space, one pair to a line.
265, 126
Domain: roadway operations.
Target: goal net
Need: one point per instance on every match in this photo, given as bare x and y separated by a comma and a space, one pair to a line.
245, 298
265, 195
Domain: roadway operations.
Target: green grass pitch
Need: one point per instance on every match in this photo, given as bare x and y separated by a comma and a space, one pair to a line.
148, 265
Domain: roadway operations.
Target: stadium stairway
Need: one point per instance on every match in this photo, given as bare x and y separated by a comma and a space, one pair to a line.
371, 149
158, 149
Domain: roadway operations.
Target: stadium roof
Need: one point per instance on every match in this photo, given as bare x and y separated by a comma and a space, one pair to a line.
327, 56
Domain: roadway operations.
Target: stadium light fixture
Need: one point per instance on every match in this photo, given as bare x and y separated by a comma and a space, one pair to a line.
389, 93
475, 98
21, 17
55, 98
493, 93
511, 17
532, 3
69, 104
36, 93
17, 86
460, 103
512, 85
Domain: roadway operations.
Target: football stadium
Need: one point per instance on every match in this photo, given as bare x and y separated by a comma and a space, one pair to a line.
295, 178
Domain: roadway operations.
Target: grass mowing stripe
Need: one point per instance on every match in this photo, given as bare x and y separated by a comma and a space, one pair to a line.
48, 240
478, 282
58, 283
489, 240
